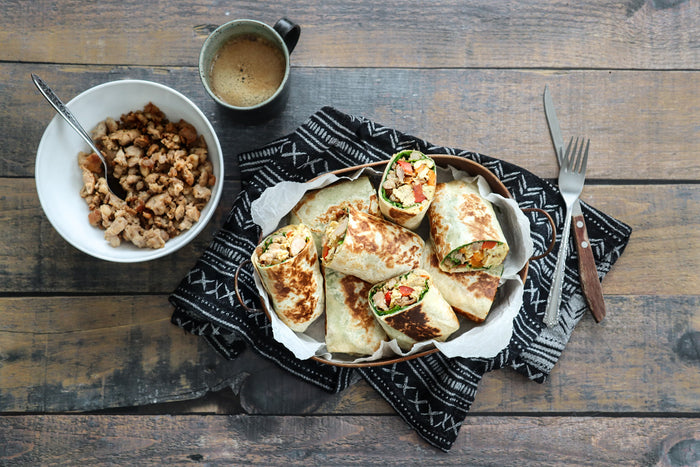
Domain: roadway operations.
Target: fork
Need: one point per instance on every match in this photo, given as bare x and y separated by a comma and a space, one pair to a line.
571, 177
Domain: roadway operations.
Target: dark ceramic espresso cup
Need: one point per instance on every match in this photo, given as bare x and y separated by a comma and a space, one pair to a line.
244, 66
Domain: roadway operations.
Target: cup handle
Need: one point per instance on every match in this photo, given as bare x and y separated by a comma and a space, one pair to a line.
289, 31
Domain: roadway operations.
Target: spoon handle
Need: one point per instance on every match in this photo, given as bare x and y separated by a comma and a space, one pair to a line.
63, 111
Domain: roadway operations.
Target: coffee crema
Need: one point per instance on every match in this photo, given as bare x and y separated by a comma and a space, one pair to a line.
247, 70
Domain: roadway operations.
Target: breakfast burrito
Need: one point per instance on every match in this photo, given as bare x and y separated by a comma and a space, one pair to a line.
411, 309
470, 293
407, 188
465, 231
318, 207
369, 247
288, 266
350, 324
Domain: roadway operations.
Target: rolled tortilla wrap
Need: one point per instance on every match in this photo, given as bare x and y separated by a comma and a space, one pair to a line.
464, 228
370, 248
411, 309
350, 324
407, 188
318, 207
288, 266
470, 293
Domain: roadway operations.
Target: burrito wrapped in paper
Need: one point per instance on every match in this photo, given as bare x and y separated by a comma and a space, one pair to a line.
350, 324
407, 188
470, 293
288, 266
411, 309
370, 248
318, 207
464, 228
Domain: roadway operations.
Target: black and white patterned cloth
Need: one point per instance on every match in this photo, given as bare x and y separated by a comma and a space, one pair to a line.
432, 393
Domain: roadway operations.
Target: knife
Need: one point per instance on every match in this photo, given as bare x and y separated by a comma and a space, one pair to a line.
590, 283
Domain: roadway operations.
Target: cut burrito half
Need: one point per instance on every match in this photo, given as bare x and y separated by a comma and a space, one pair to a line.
470, 293
464, 228
407, 188
411, 309
288, 266
350, 324
318, 207
369, 247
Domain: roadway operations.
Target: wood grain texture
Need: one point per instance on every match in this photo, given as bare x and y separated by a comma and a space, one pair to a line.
78, 334
29, 263
61, 354
664, 217
632, 34
242, 440
66, 354
644, 121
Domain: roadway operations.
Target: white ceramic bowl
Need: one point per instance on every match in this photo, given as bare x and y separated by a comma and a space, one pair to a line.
59, 179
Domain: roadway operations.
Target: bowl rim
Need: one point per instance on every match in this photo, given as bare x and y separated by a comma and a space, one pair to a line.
143, 254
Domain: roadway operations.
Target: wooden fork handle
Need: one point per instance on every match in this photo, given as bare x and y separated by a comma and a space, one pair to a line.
592, 290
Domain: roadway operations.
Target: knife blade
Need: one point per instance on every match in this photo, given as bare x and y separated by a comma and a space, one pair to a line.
590, 283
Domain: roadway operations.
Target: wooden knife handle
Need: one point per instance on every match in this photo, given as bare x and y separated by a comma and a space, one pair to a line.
590, 283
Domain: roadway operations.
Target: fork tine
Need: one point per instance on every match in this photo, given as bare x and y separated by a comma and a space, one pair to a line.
567, 155
582, 166
576, 156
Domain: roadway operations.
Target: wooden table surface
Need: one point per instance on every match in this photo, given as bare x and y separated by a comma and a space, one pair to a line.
91, 369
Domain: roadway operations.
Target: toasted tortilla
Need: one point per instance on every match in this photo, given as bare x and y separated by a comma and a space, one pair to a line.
318, 207
295, 286
470, 293
374, 249
429, 318
350, 324
459, 217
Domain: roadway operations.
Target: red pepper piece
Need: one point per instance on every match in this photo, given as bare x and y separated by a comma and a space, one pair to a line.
406, 166
418, 193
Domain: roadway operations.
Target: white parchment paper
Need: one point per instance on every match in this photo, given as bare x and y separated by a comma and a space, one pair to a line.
484, 340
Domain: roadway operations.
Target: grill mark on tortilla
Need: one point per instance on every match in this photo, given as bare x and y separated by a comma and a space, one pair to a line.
355, 293
334, 212
479, 283
438, 222
470, 211
473, 212
402, 215
384, 239
295, 280
484, 285
414, 323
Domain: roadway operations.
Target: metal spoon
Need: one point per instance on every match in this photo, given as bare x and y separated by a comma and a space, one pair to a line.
114, 187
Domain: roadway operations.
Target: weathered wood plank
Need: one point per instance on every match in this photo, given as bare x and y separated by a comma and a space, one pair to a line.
647, 124
213, 440
588, 34
65, 354
642, 358
664, 218
31, 246
68, 353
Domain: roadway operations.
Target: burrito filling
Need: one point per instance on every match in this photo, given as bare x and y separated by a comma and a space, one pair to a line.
334, 237
399, 292
281, 246
479, 255
410, 180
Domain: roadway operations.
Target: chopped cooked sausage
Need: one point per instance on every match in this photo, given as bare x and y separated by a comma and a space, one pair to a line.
164, 168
